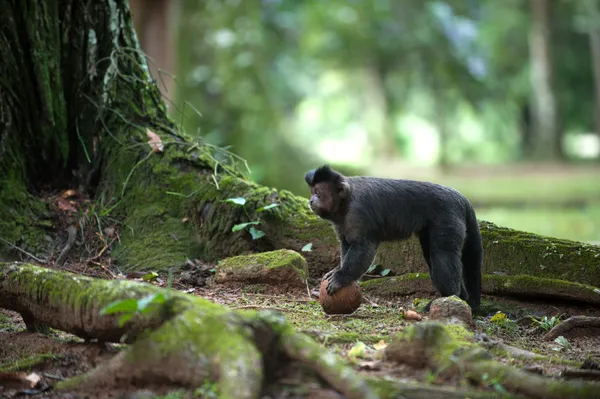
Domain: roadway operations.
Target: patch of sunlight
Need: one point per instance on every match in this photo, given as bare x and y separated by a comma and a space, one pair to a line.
423, 143
353, 148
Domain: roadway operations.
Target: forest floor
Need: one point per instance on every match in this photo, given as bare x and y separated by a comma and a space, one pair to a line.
354, 337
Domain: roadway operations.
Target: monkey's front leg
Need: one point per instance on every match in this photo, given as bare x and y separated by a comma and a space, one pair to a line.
344, 247
357, 259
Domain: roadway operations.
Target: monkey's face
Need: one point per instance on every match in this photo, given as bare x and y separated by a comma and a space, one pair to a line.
324, 199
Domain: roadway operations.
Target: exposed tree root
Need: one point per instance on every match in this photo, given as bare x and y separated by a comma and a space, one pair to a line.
185, 342
430, 345
572, 323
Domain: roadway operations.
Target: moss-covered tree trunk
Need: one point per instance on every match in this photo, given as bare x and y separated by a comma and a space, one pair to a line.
76, 105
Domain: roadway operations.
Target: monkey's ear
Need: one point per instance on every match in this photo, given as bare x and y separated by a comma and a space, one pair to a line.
344, 189
309, 177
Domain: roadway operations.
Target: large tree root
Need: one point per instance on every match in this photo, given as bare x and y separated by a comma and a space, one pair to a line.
572, 323
186, 342
430, 345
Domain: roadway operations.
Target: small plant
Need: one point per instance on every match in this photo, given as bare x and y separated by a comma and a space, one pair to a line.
563, 344
378, 269
495, 383
208, 390
546, 323
500, 323
131, 307
254, 232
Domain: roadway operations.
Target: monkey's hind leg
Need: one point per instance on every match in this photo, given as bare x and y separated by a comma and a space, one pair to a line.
445, 256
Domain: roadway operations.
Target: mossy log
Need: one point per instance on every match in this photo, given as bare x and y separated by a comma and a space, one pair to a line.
431, 345
185, 342
520, 285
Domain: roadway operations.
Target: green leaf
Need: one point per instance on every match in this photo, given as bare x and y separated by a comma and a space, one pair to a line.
122, 305
371, 268
357, 350
242, 226
256, 234
124, 318
307, 247
267, 207
150, 276
147, 300
237, 200
385, 272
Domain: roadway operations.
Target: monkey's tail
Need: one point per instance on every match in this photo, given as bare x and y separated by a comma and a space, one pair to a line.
472, 260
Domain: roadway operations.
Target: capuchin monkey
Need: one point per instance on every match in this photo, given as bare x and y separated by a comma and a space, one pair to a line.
366, 211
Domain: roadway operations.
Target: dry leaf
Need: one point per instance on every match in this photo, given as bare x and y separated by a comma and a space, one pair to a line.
412, 315
380, 345
65, 205
11, 380
155, 141
68, 193
109, 232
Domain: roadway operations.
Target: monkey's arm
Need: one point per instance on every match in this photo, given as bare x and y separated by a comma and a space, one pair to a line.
344, 247
355, 262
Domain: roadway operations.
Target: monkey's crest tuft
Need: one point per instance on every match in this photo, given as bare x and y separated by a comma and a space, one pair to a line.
322, 174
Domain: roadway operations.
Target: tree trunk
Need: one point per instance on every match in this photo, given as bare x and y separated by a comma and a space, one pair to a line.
547, 144
153, 21
381, 102
594, 33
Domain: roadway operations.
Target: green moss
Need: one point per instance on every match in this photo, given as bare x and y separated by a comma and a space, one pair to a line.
405, 284
517, 252
27, 363
494, 284
24, 219
261, 266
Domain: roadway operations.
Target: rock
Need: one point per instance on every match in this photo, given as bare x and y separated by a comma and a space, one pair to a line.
279, 267
451, 310
345, 301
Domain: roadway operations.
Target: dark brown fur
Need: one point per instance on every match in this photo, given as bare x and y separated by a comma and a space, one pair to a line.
365, 211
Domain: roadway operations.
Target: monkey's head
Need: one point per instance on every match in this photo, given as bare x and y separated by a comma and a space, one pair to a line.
328, 190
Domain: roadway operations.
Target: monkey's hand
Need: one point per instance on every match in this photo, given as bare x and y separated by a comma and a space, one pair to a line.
328, 275
356, 261
336, 281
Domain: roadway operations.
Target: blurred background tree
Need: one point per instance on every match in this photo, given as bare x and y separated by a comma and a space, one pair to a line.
500, 99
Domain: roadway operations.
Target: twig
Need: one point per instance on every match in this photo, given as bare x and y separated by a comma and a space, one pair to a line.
571, 323
22, 250
106, 246
72, 231
104, 267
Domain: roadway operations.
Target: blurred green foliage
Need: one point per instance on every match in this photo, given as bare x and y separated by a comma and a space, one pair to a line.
290, 84
283, 81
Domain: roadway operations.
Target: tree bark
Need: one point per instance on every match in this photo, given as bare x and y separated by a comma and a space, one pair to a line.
153, 20
547, 145
594, 33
